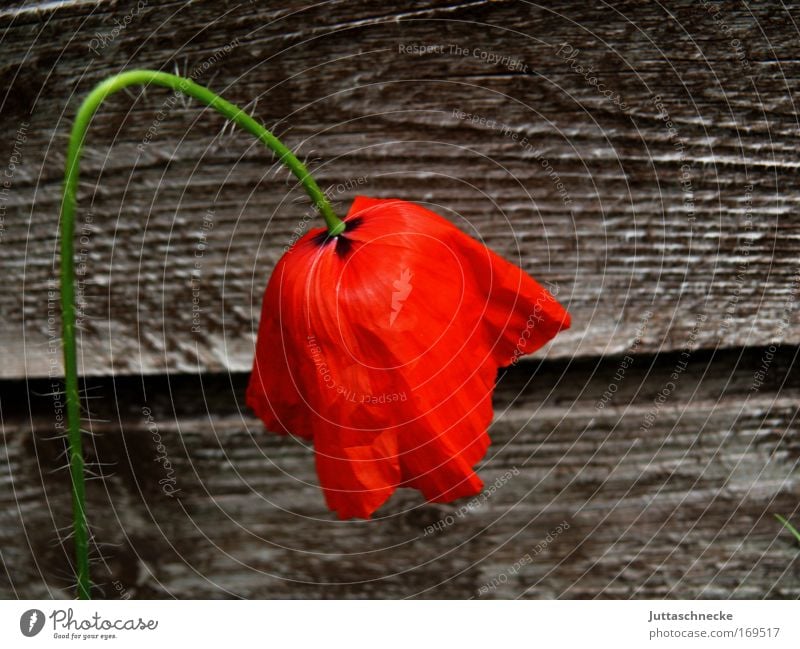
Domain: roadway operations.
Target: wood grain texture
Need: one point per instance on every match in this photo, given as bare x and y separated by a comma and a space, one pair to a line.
622, 236
683, 510
669, 228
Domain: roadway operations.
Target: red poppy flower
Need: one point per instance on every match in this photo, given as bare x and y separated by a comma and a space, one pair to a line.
382, 346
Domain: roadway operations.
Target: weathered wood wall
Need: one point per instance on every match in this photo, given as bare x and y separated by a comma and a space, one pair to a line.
681, 511
675, 210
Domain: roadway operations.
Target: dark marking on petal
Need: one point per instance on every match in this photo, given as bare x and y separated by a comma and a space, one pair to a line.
352, 224
343, 243
322, 238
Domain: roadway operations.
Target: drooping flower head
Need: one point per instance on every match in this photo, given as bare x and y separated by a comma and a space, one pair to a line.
382, 346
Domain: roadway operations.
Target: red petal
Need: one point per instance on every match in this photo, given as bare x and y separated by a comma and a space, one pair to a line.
385, 342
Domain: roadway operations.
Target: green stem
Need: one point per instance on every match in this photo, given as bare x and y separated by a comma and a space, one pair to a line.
68, 204
788, 526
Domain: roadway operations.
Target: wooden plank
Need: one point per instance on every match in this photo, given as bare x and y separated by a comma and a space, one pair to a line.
623, 236
681, 507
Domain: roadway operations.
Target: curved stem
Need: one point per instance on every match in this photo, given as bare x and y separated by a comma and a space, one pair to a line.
68, 204
788, 526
